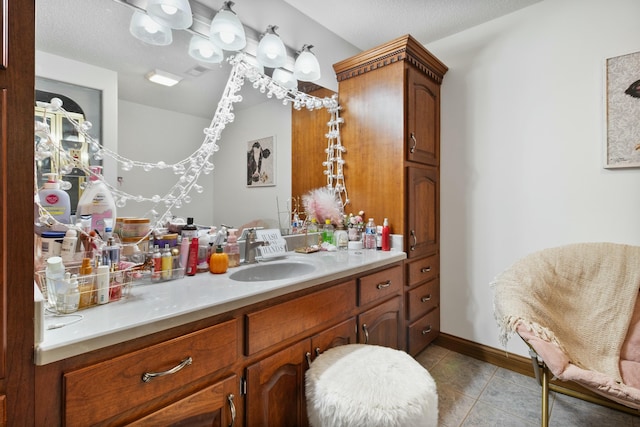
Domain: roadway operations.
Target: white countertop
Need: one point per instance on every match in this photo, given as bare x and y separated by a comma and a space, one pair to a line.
155, 307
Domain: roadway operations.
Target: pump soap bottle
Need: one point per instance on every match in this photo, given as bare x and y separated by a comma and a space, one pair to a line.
54, 200
232, 249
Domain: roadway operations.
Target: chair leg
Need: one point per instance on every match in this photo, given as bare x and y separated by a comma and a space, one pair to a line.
545, 395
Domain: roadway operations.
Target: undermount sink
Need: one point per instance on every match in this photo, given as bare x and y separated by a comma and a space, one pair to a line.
275, 271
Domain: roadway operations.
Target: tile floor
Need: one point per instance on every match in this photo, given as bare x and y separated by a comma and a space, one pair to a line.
474, 393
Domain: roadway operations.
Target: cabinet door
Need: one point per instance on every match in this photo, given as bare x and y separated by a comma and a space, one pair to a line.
214, 406
423, 211
341, 334
275, 389
423, 119
381, 325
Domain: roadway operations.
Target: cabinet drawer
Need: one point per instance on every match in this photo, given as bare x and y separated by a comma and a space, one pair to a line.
423, 269
100, 391
423, 331
283, 321
423, 299
379, 285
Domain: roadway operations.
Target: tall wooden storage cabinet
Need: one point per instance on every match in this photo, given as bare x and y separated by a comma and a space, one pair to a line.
390, 98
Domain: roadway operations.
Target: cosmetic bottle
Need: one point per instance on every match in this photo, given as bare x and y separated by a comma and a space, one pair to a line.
232, 249
69, 243
190, 230
71, 299
54, 200
102, 284
167, 263
97, 201
313, 226
156, 273
85, 284
184, 254
54, 277
341, 238
386, 235
192, 260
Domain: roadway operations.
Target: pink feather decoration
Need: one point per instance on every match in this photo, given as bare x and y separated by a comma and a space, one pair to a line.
321, 204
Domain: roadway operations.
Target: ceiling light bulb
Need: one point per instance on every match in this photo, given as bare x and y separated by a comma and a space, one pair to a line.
171, 13
169, 10
203, 50
149, 31
226, 30
306, 67
285, 78
271, 51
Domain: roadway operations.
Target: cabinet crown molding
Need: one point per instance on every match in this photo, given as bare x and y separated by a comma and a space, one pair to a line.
404, 48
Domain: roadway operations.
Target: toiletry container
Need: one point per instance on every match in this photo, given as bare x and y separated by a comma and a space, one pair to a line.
341, 239
71, 299
97, 201
54, 200
167, 263
54, 278
85, 284
219, 261
190, 230
102, 284
327, 232
232, 249
386, 235
69, 244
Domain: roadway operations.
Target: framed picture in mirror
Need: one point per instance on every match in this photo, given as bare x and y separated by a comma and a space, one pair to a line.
261, 162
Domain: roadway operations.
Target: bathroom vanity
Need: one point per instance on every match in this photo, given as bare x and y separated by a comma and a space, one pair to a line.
209, 347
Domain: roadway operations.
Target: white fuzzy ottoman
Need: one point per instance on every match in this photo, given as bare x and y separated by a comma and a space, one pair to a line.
360, 385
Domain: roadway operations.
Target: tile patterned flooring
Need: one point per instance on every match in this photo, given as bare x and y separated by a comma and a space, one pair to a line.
475, 393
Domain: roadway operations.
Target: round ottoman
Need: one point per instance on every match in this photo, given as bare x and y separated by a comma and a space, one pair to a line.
362, 385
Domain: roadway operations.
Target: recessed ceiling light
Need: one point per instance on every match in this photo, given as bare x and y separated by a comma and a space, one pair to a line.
163, 78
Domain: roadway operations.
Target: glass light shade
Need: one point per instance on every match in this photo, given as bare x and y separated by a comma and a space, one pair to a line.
252, 60
149, 31
171, 13
285, 78
226, 30
271, 51
306, 67
205, 51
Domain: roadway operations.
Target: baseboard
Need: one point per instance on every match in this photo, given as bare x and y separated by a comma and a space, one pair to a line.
522, 365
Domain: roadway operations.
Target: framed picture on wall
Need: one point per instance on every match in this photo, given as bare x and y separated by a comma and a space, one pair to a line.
623, 111
261, 158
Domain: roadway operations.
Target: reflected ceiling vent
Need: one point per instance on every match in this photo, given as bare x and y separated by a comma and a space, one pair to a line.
197, 71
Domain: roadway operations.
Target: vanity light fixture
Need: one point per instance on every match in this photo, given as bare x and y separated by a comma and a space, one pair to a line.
271, 51
306, 67
163, 78
285, 78
149, 31
203, 50
226, 29
171, 13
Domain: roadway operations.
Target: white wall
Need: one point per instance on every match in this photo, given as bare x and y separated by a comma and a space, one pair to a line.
236, 204
522, 148
150, 135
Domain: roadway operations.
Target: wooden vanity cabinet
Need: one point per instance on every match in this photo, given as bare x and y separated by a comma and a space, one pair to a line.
390, 99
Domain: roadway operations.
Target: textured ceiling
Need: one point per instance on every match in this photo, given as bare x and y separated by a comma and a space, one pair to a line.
96, 32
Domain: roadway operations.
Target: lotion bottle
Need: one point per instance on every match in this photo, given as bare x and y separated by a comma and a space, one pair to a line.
97, 201
102, 284
54, 200
69, 244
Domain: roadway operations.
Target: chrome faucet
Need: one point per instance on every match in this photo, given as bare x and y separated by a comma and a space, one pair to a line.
250, 246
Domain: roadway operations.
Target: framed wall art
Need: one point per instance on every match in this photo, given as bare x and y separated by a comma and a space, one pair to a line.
623, 111
261, 157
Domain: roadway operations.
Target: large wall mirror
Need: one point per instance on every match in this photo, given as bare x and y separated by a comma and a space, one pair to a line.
87, 43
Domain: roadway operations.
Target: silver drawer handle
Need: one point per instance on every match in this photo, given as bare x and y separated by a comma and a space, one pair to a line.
384, 284
426, 331
308, 356
425, 269
415, 142
366, 333
232, 408
415, 240
148, 376
425, 298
